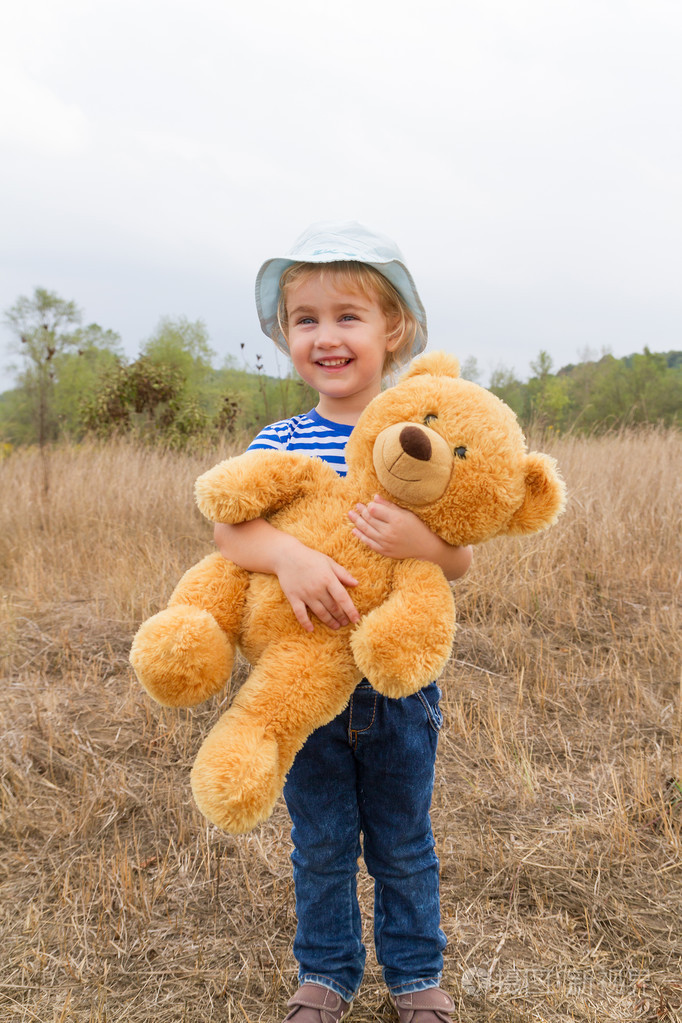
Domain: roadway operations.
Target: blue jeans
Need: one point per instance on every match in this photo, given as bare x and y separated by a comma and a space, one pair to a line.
369, 772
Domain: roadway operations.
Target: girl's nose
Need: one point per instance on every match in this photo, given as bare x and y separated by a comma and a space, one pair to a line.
327, 336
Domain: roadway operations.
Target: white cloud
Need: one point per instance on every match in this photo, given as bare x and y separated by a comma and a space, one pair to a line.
33, 119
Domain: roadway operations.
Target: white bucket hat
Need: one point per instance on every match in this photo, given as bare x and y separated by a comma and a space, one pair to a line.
331, 241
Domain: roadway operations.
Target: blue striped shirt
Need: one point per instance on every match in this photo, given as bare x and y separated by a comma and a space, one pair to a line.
309, 434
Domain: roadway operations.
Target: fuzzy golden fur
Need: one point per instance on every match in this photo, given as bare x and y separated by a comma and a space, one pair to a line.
445, 448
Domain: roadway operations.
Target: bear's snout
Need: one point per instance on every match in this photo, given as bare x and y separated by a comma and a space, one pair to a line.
414, 442
413, 464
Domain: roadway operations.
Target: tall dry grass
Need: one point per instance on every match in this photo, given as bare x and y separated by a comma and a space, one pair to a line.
558, 803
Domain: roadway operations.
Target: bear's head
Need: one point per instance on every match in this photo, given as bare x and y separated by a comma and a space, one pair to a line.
456, 455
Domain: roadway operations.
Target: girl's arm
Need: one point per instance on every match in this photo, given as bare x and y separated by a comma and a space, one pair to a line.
397, 532
309, 580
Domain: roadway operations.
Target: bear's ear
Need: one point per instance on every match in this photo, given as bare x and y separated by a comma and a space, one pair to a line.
544, 499
439, 364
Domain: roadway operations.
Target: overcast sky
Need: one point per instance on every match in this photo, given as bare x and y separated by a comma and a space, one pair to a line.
525, 155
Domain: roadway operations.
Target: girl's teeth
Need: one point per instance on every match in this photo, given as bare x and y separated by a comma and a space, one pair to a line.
333, 362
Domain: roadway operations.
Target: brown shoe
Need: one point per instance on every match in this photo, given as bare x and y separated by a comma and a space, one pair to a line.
314, 1003
429, 1006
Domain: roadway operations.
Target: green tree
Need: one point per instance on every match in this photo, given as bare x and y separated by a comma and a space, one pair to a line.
183, 345
469, 369
150, 400
80, 372
542, 366
641, 389
506, 385
645, 379
41, 327
143, 397
548, 400
16, 418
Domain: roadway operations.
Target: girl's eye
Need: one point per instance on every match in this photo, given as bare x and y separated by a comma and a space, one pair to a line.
461, 452
430, 418
348, 316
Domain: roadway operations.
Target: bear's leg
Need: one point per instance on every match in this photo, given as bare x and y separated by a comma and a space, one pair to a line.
184, 654
181, 656
297, 686
404, 643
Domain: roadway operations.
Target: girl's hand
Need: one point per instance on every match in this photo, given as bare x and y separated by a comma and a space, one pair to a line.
315, 582
309, 580
397, 532
391, 530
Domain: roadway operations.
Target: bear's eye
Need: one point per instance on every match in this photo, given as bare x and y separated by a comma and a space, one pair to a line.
461, 452
430, 418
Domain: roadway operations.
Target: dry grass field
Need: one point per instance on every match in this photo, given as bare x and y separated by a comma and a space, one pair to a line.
558, 802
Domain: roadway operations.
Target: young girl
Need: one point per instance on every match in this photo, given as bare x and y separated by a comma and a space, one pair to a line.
344, 307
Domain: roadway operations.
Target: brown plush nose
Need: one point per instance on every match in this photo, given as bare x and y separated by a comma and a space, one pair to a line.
414, 442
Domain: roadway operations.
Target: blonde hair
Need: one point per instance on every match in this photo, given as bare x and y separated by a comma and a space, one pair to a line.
353, 276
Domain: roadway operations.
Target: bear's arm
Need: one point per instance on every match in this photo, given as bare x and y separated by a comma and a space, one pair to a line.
259, 483
404, 643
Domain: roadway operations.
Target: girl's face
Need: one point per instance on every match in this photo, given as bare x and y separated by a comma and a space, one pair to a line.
338, 344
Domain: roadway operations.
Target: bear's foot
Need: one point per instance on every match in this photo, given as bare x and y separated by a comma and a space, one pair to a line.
236, 778
399, 669
181, 656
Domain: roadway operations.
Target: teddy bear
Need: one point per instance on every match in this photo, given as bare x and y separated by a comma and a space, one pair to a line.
444, 447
